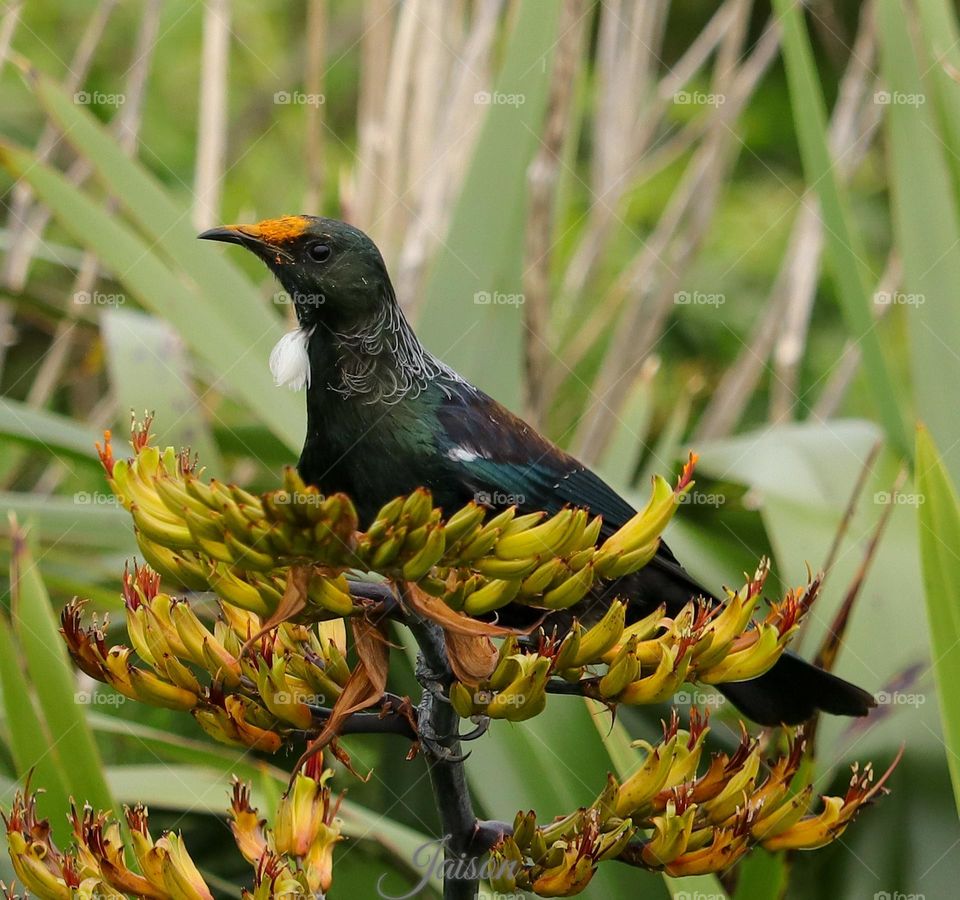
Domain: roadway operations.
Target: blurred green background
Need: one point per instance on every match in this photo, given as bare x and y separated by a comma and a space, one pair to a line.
726, 227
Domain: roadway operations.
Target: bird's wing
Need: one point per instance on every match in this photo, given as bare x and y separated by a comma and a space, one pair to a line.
495, 453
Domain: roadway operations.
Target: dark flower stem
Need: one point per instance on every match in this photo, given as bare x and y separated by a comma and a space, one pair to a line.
439, 723
389, 722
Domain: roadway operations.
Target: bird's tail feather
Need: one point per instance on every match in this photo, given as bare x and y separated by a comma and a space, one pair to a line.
793, 690
789, 693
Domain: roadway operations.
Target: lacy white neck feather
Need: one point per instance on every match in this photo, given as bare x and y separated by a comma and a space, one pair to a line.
290, 361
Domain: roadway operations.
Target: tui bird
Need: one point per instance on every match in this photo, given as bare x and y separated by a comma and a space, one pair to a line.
384, 417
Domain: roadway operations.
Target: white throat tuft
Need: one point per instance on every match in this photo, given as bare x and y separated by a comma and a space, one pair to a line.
290, 361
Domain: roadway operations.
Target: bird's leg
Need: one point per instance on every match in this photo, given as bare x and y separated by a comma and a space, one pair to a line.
434, 690
441, 743
433, 682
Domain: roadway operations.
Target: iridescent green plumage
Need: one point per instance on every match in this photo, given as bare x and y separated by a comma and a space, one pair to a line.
384, 416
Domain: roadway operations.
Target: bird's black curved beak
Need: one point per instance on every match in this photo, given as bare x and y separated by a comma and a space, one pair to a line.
232, 234
266, 239
269, 239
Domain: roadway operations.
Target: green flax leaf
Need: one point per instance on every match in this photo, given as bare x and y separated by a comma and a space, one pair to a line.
939, 524
52, 675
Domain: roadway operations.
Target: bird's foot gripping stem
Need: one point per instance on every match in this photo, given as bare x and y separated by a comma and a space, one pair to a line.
438, 725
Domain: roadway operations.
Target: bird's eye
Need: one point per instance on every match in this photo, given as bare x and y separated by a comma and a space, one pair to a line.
319, 252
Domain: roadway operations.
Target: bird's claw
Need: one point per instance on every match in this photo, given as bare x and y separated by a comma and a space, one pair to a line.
437, 691
482, 724
433, 744
433, 690
439, 753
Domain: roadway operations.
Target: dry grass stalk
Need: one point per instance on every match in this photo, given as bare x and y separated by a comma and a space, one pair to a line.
653, 279
852, 128
212, 120
22, 225
542, 178
451, 144
782, 328
314, 80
